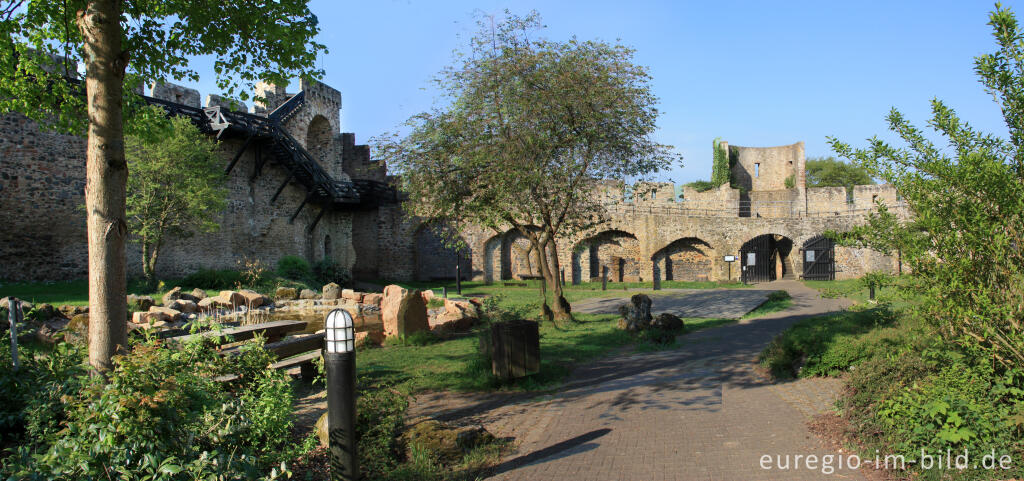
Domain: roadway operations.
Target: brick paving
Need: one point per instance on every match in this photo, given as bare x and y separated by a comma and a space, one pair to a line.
700, 412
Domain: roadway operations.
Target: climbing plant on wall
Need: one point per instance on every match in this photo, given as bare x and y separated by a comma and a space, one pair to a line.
720, 164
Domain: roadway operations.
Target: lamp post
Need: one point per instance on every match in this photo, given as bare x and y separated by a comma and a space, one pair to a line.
340, 363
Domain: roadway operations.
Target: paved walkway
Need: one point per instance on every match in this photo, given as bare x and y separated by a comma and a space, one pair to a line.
693, 413
714, 303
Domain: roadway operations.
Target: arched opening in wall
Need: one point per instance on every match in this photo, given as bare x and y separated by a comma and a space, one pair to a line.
492, 258
686, 259
518, 257
766, 258
819, 259
318, 140
616, 250
435, 256
327, 247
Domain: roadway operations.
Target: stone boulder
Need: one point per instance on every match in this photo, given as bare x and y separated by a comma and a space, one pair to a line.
636, 314
234, 298
427, 295
183, 305
308, 294
254, 299
173, 315
403, 311
175, 294
72, 311
331, 292
139, 303
369, 338
352, 295
199, 294
668, 322
373, 299
446, 322
286, 293
463, 308
145, 318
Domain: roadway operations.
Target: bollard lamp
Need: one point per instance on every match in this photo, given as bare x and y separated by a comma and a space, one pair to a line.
340, 364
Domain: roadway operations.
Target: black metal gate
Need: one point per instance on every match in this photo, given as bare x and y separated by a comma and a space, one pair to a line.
757, 258
819, 259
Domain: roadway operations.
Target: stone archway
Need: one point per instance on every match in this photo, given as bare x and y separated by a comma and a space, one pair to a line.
767, 258
616, 250
434, 258
319, 136
685, 259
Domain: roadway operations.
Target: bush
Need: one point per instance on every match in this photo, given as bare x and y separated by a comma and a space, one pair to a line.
161, 415
213, 279
701, 185
327, 271
380, 419
294, 268
30, 399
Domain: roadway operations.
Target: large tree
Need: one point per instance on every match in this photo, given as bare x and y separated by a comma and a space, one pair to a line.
830, 172
189, 203
965, 234
528, 126
126, 43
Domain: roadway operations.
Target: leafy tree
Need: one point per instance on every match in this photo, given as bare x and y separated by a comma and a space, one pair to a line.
829, 172
125, 43
720, 169
530, 125
190, 202
701, 185
967, 203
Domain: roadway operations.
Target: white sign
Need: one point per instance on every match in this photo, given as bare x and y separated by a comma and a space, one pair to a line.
729, 258
808, 256
751, 258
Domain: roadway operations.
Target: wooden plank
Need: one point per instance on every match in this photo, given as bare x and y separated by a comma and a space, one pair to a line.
290, 346
242, 333
303, 360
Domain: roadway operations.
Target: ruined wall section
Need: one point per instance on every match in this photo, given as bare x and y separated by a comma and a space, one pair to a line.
767, 168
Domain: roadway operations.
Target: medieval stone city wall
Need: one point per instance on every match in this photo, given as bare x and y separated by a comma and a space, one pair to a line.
42, 181
653, 231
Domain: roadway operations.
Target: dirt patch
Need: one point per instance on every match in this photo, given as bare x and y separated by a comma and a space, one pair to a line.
832, 430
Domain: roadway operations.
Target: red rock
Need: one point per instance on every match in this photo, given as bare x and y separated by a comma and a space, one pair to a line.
403, 311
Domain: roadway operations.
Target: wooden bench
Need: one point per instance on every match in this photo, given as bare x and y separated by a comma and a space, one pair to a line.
272, 331
298, 350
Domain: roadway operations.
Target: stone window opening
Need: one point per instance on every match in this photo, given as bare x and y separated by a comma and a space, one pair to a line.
757, 170
874, 198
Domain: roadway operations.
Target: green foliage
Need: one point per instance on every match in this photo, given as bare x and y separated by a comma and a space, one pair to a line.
829, 172
198, 194
419, 338
435, 302
380, 413
30, 398
527, 124
701, 185
776, 301
326, 271
294, 268
967, 205
790, 182
159, 415
212, 279
829, 345
158, 41
721, 171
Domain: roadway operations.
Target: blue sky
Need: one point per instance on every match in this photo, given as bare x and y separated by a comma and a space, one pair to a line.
753, 73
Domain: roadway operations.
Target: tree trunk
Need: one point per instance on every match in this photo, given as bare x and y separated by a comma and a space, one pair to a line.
106, 177
563, 311
545, 310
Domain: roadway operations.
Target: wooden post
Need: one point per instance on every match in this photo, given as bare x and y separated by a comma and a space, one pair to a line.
13, 308
458, 276
604, 278
656, 277
563, 276
444, 291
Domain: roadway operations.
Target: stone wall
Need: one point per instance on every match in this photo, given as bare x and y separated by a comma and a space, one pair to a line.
766, 168
42, 180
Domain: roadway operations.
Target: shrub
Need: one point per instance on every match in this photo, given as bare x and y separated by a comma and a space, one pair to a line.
790, 182
380, 419
326, 271
294, 268
213, 279
30, 399
701, 185
161, 415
